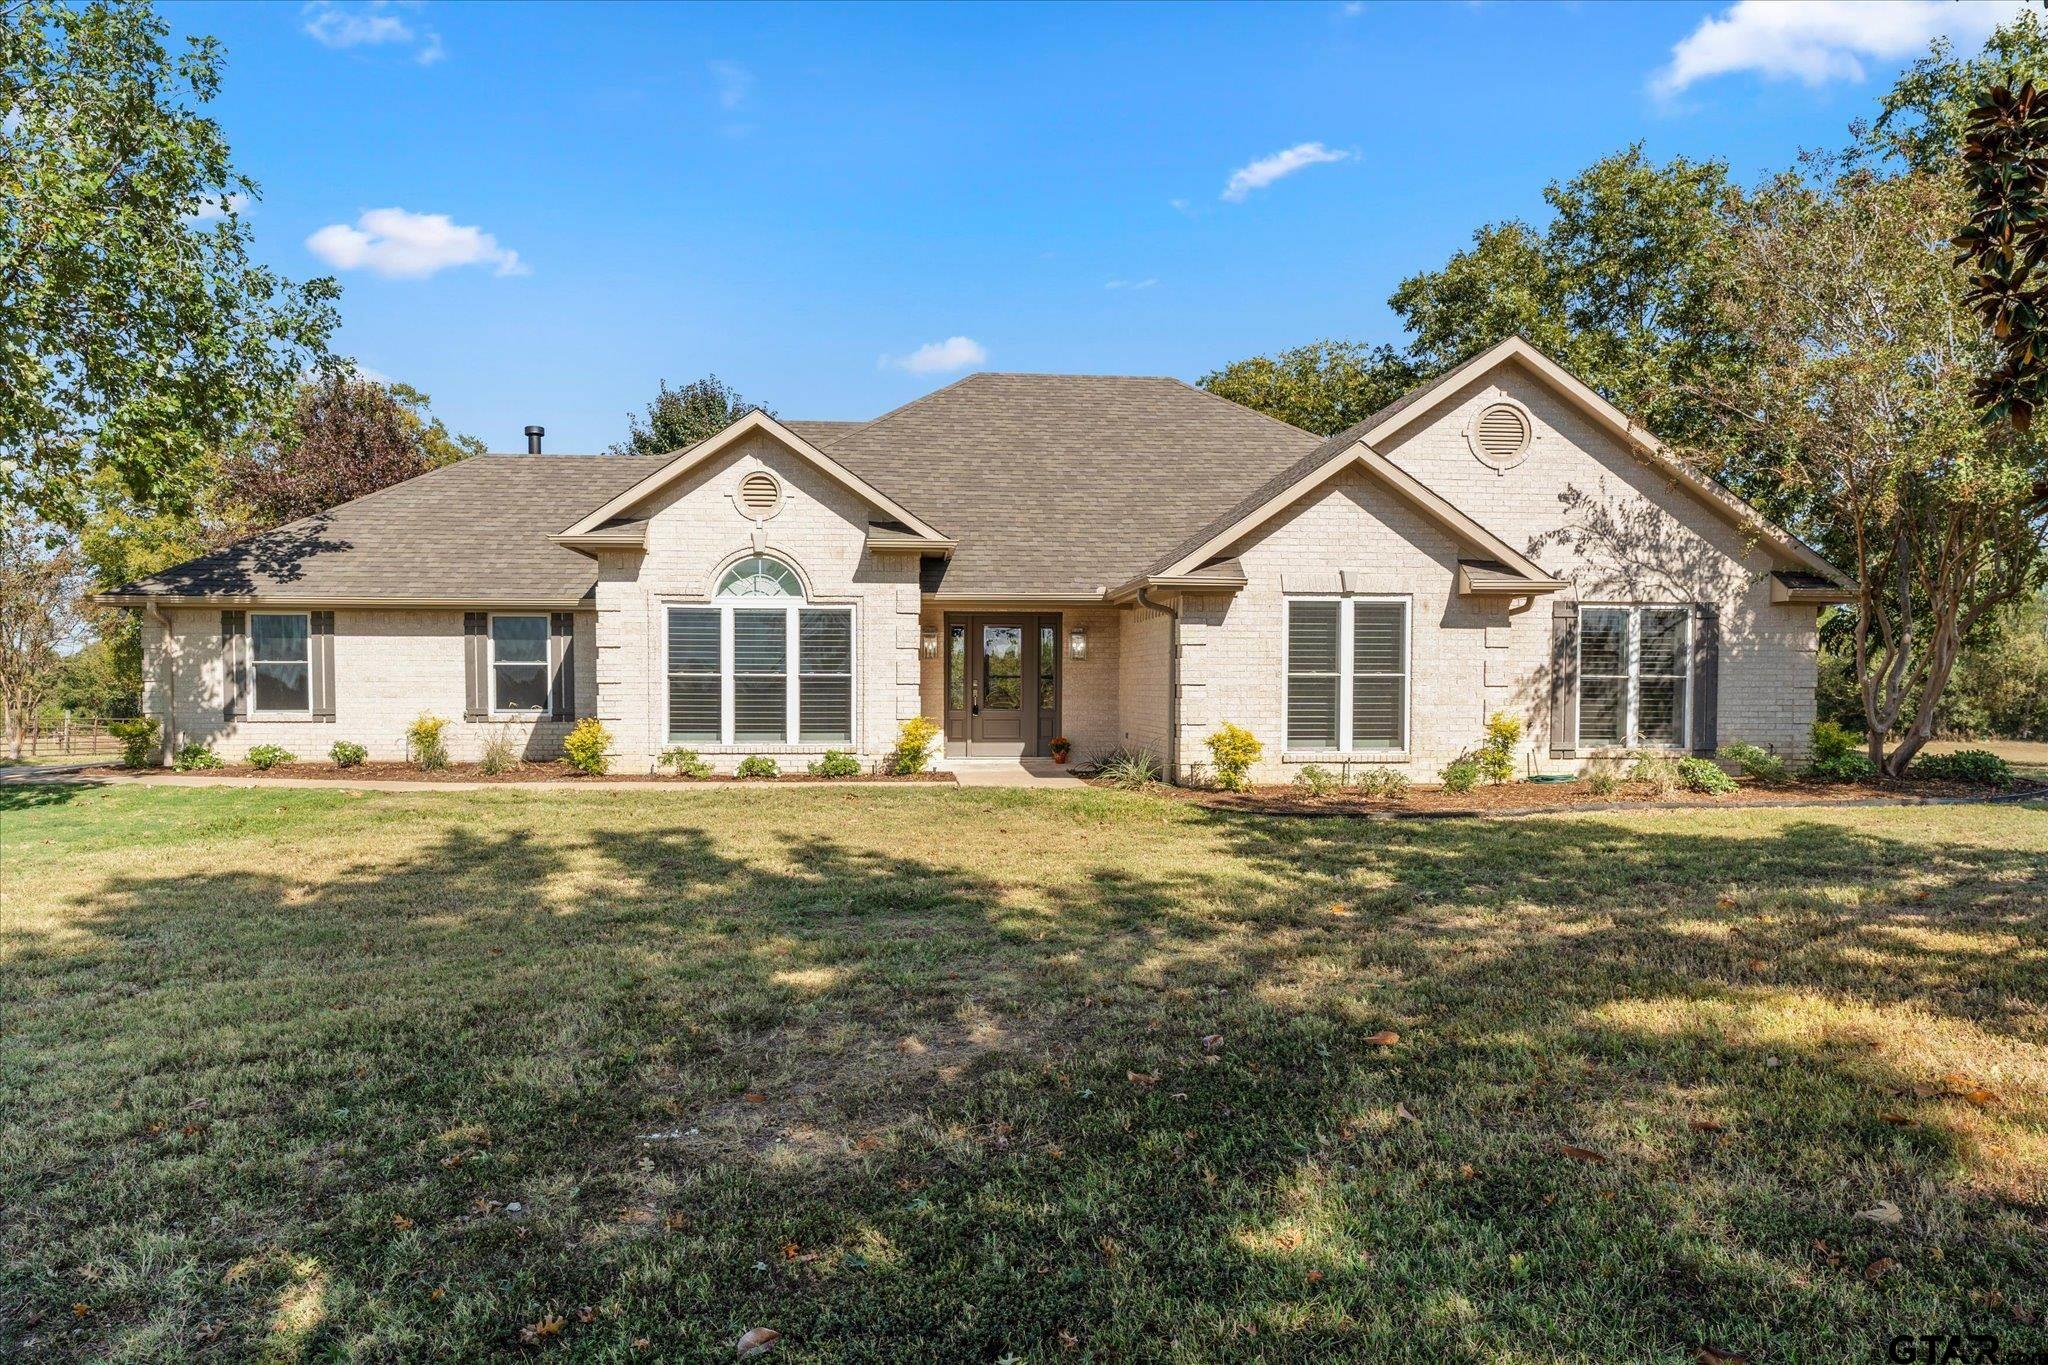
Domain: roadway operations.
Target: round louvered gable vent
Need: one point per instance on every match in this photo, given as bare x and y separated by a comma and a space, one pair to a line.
1500, 434
760, 495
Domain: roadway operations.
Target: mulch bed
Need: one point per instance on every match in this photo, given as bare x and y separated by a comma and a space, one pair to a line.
1532, 797
553, 770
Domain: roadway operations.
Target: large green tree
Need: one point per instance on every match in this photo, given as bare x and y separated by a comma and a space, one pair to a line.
1615, 285
1859, 414
676, 418
136, 334
346, 436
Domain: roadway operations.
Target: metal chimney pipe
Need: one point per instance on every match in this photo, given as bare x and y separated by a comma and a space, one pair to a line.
533, 435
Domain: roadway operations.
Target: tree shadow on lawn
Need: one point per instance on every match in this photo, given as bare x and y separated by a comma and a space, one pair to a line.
910, 1108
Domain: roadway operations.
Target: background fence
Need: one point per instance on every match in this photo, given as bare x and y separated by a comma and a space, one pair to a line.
81, 737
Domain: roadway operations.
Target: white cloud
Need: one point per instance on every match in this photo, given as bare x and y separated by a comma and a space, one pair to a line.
1267, 169
410, 246
215, 210
733, 81
1145, 283
940, 357
1817, 41
372, 23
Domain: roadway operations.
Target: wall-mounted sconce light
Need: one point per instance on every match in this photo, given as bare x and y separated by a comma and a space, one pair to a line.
1077, 643
929, 643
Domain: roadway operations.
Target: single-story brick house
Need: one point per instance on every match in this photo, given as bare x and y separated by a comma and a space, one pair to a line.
1128, 562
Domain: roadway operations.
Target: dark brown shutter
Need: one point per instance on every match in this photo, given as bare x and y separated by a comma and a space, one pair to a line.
234, 654
322, 646
562, 665
1564, 679
476, 665
1706, 679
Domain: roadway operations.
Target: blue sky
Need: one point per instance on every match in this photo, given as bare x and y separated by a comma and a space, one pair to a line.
838, 209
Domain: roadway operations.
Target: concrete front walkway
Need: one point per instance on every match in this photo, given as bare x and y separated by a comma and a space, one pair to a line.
1008, 772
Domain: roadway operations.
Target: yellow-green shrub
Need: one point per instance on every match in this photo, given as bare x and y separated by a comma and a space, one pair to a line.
913, 749
1233, 749
588, 747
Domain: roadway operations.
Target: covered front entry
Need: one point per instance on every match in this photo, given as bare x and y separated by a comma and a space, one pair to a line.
1002, 684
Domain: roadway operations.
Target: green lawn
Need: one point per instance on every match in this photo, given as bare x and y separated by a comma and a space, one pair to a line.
307, 1074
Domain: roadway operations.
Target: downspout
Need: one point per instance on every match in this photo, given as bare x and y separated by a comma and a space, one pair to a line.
166, 681
1172, 682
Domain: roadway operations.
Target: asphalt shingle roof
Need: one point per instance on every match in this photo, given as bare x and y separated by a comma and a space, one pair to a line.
1058, 484
1050, 484
475, 530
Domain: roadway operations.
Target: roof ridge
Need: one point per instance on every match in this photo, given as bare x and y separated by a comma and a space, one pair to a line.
923, 398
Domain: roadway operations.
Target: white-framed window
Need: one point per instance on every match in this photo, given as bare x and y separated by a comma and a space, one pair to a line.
747, 671
1635, 677
280, 662
1346, 662
519, 664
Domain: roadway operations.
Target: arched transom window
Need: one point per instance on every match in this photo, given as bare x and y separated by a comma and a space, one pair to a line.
760, 665
760, 576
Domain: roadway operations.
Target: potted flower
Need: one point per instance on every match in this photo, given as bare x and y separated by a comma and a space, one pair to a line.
1061, 748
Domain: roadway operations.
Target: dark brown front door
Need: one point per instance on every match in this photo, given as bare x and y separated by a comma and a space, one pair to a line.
1001, 685
998, 724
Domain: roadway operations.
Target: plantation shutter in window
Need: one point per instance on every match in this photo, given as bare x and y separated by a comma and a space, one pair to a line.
322, 659
693, 675
1379, 662
825, 682
760, 676
562, 665
476, 665
1706, 679
234, 655
1312, 674
1564, 679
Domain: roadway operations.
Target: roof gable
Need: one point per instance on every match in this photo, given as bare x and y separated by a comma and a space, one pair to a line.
682, 462
1390, 421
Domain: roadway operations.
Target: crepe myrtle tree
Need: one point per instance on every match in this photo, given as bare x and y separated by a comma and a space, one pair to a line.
136, 334
1860, 415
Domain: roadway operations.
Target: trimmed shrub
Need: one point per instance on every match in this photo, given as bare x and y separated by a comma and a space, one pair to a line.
1838, 755
1704, 775
684, 762
267, 756
835, 763
1461, 775
1847, 768
195, 756
1831, 740
138, 741
1233, 749
1656, 772
1390, 784
588, 748
348, 754
758, 765
499, 755
1979, 767
1764, 766
913, 751
424, 743
1130, 769
1496, 755
1315, 780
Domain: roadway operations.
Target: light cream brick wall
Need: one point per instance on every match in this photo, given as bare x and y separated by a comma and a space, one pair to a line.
1145, 669
1580, 505
694, 531
390, 667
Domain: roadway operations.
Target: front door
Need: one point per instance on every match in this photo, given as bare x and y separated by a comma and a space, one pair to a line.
1002, 685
